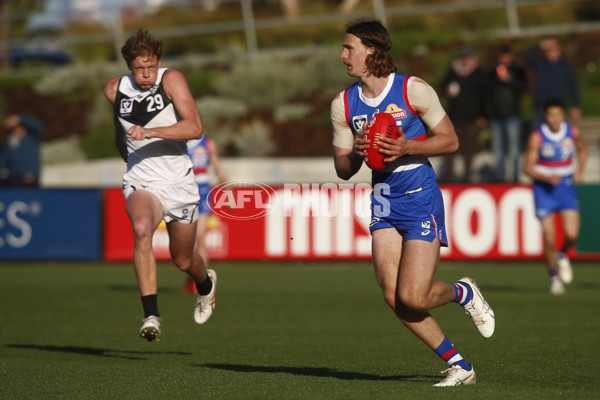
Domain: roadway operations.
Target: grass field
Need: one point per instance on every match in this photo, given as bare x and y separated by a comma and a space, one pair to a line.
288, 331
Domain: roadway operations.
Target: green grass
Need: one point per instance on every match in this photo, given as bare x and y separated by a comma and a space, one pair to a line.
287, 331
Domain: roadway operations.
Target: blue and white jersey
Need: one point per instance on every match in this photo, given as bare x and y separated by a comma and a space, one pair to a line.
410, 173
200, 156
555, 157
556, 151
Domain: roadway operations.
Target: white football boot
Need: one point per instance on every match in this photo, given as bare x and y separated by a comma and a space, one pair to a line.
150, 330
479, 310
457, 376
565, 272
556, 286
205, 305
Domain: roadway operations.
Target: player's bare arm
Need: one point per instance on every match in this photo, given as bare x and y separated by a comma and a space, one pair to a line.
110, 91
190, 126
216, 161
581, 155
531, 158
443, 139
348, 151
347, 162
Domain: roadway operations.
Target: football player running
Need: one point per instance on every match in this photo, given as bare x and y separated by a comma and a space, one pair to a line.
550, 161
154, 115
407, 224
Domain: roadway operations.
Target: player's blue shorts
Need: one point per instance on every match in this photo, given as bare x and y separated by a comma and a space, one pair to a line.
549, 198
416, 216
203, 204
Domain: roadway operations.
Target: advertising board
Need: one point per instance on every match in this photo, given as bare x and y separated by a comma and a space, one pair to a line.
251, 221
50, 224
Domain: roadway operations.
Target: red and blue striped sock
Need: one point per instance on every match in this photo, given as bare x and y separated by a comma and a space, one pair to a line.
464, 293
448, 353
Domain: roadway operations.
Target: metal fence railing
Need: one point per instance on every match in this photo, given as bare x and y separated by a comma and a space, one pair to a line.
249, 24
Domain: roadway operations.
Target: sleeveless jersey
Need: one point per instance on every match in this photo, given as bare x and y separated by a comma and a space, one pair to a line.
556, 151
555, 157
407, 174
200, 156
159, 161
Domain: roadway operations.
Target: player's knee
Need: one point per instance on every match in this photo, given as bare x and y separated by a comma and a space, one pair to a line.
182, 263
414, 302
549, 242
142, 230
390, 298
570, 237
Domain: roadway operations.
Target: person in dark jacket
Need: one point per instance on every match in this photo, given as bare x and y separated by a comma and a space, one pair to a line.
555, 79
464, 87
507, 83
20, 154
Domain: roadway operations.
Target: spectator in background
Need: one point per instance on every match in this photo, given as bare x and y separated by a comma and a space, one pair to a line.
550, 162
204, 153
555, 79
20, 155
507, 82
464, 87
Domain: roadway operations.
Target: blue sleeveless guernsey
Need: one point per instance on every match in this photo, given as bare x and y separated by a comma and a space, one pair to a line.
200, 156
408, 173
555, 157
405, 193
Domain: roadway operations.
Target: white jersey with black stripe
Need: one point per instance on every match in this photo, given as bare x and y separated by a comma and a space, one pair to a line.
156, 161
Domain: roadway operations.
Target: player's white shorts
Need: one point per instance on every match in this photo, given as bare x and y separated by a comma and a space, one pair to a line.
179, 201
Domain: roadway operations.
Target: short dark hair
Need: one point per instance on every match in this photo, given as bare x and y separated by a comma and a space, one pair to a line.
553, 102
141, 44
372, 33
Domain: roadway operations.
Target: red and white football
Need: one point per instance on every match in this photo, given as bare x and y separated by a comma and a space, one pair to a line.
382, 124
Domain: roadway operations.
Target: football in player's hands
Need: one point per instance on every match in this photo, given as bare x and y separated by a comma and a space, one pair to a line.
382, 124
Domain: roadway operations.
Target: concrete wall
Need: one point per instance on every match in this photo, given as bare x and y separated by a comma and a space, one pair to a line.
272, 171
277, 171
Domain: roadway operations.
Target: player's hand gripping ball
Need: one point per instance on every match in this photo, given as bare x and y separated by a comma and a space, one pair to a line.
382, 124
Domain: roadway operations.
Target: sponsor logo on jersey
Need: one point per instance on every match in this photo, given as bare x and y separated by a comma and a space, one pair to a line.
548, 150
395, 111
125, 108
359, 122
567, 148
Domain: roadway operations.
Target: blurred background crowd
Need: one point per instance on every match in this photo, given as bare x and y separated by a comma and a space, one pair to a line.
264, 72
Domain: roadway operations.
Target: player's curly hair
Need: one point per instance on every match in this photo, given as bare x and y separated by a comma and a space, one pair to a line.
141, 44
372, 33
